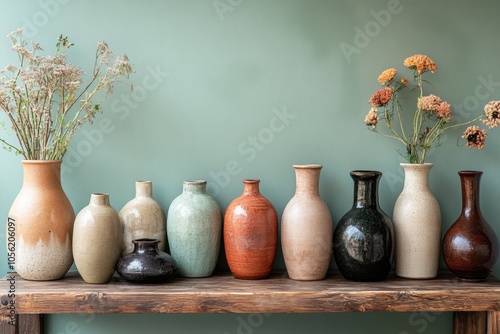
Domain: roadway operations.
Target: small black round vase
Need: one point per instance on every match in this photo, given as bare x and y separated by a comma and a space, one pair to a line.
146, 264
363, 239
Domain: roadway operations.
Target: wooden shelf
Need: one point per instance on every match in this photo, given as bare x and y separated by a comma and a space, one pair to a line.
223, 293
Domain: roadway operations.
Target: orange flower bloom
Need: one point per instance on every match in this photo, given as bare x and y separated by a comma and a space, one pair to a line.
387, 76
420, 63
381, 97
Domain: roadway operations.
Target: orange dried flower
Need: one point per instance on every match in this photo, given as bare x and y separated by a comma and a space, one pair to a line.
381, 97
387, 76
420, 63
475, 137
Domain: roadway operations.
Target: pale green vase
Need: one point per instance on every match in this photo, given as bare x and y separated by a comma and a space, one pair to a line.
194, 229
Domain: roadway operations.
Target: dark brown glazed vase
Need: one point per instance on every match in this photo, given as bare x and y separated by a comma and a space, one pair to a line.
250, 234
470, 246
147, 264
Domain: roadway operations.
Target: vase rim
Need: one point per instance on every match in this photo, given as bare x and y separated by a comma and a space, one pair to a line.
359, 171
143, 181
251, 181
422, 164
315, 166
48, 161
146, 240
470, 172
195, 182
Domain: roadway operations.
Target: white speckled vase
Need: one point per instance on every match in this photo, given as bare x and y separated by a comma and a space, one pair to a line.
97, 240
194, 230
41, 222
142, 217
417, 225
307, 228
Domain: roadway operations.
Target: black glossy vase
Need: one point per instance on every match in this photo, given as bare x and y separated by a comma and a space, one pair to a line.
146, 264
363, 239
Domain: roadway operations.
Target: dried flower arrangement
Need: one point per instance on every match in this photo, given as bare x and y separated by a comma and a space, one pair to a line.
45, 99
431, 118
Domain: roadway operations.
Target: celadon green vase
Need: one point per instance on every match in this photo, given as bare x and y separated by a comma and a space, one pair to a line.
194, 229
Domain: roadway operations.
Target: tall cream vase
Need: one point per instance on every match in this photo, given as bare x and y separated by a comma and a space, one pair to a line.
97, 240
417, 225
307, 228
40, 222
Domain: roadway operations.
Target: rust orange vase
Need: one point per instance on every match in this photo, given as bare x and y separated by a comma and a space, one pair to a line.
250, 233
43, 218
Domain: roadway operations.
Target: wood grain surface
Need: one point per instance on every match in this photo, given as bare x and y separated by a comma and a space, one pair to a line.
278, 294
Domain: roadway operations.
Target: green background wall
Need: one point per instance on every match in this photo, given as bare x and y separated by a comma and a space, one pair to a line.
212, 75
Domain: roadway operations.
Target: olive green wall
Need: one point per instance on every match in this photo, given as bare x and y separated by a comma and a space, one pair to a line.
233, 89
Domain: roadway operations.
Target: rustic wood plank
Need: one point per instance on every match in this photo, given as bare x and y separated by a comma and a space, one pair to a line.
5, 326
493, 326
30, 324
469, 322
279, 294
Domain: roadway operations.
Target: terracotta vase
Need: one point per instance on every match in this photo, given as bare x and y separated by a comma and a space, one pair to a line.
307, 228
417, 225
194, 230
470, 246
142, 217
363, 239
42, 218
97, 240
146, 263
250, 233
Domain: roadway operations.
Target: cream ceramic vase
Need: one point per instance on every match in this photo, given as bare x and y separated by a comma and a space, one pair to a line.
142, 217
417, 225
194, 230
97, 240
307, 228
40, 223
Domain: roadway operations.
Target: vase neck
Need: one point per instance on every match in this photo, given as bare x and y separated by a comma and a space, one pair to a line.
145, 245
307, 178
251, 187
43, 174
417, 176
366, 188
470, 181
195, 187
143, 189
99, 199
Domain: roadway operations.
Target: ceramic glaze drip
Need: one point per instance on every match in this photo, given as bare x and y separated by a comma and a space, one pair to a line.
307, 178
143, 189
